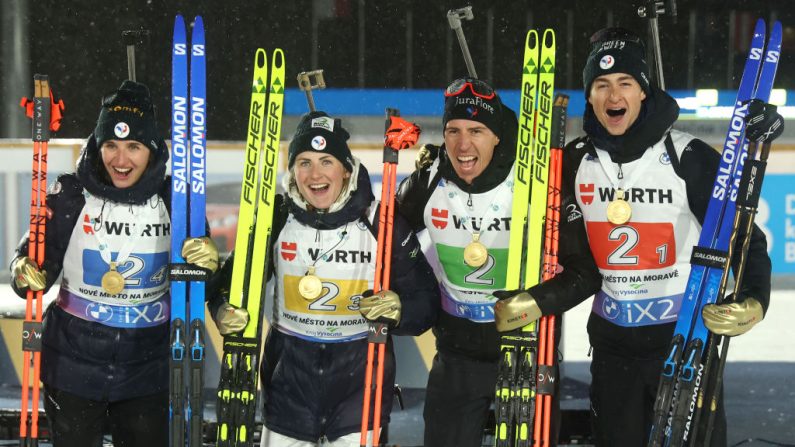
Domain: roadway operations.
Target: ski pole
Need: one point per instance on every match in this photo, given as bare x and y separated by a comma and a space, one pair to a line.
454, 17
309, 80
45, 112
131, 38
400, 134
547, 371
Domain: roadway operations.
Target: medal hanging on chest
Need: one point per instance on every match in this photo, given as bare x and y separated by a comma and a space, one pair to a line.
112, 281
475, 253
310, 286
618, 210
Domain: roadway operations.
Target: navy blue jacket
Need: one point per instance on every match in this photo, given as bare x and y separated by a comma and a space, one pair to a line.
86, 358
315, 389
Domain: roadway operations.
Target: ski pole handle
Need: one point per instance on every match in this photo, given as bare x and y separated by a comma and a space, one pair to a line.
131, 38
309, 80
454, 17
399, 134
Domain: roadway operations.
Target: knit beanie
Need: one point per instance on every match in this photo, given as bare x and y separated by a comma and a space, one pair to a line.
128, 114
473, 99
616, 50
319, 132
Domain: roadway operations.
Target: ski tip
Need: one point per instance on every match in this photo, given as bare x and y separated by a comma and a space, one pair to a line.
760, 28
198, 21
776, 28
531, 40
278, 58
260, 58
549, 38
179, 27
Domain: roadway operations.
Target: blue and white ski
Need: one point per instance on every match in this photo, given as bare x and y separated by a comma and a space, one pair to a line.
675, 408
188, 161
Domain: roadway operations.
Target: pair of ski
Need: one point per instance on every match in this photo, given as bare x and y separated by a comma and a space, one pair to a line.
237, 389
46, 115
188, 175
527, 371
690, 377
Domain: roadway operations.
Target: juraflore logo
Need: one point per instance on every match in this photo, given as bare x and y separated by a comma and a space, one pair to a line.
476, 101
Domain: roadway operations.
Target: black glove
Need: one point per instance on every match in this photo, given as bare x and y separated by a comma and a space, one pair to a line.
763, 122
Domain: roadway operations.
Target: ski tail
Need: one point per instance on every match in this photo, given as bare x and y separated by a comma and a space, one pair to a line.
197, 228
179, 205
41, 109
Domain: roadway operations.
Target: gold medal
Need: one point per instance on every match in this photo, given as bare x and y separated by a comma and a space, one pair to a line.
475, 253
310, 285
112, 281
619, 211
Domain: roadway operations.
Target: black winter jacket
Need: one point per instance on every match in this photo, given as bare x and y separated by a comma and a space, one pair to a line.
579, 279
86, 358
314, 389
697, 167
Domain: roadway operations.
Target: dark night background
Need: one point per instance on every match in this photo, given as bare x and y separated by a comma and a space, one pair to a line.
78, 43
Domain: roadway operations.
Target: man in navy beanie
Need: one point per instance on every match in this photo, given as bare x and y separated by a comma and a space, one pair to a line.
643, 189
461, 194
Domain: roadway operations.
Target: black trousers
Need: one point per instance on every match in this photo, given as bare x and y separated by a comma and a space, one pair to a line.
459, 395
623, 391
78, 422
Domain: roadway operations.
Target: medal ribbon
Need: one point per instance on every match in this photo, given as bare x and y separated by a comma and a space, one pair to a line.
612, 172
126, 248
491, 210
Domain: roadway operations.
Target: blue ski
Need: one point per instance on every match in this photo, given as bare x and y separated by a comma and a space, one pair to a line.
686, 416
198, 151
681, 379
179, 205
188, 173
